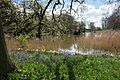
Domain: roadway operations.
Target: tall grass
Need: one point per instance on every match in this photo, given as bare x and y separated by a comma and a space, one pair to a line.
47, 43
105, 40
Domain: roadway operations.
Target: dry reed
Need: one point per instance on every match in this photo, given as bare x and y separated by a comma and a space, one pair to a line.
108, 40
105, 40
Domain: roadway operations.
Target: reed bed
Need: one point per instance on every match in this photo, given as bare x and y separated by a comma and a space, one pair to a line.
108, 40
105, 40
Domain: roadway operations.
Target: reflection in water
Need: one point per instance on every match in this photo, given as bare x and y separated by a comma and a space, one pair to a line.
90, 34
64, 44
71, 50
75, 50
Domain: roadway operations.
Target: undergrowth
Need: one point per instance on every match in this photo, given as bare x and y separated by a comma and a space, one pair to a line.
47, 66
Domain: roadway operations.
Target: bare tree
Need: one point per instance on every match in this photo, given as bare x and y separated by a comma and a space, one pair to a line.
113, 21
92, 26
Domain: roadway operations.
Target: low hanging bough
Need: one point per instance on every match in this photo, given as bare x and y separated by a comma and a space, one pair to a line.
7, 11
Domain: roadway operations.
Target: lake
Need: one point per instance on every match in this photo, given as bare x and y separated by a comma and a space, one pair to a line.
69, 44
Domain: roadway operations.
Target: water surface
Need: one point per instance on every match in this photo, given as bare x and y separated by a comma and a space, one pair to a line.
63, 44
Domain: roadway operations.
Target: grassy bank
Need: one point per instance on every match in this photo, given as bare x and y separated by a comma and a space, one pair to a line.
46, 66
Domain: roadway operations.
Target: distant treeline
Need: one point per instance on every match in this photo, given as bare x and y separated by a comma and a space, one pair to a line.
112, 21
26, 18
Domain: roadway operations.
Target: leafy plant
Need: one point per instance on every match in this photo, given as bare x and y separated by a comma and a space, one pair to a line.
47, 66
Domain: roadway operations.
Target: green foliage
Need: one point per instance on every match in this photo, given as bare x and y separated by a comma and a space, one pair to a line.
47, 66
22, 38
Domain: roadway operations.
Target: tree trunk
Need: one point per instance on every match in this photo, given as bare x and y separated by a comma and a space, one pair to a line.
6, 64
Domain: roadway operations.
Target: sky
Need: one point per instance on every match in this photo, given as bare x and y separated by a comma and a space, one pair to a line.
94, 11
96, 3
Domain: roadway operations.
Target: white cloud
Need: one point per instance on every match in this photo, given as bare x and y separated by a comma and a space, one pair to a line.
49, 11
93, 14
107, 9
90, 12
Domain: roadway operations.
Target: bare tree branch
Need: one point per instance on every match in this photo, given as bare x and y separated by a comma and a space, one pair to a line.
71, 5
46, 8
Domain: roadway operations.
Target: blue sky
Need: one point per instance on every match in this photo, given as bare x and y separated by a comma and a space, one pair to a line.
96, 3
93, 13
